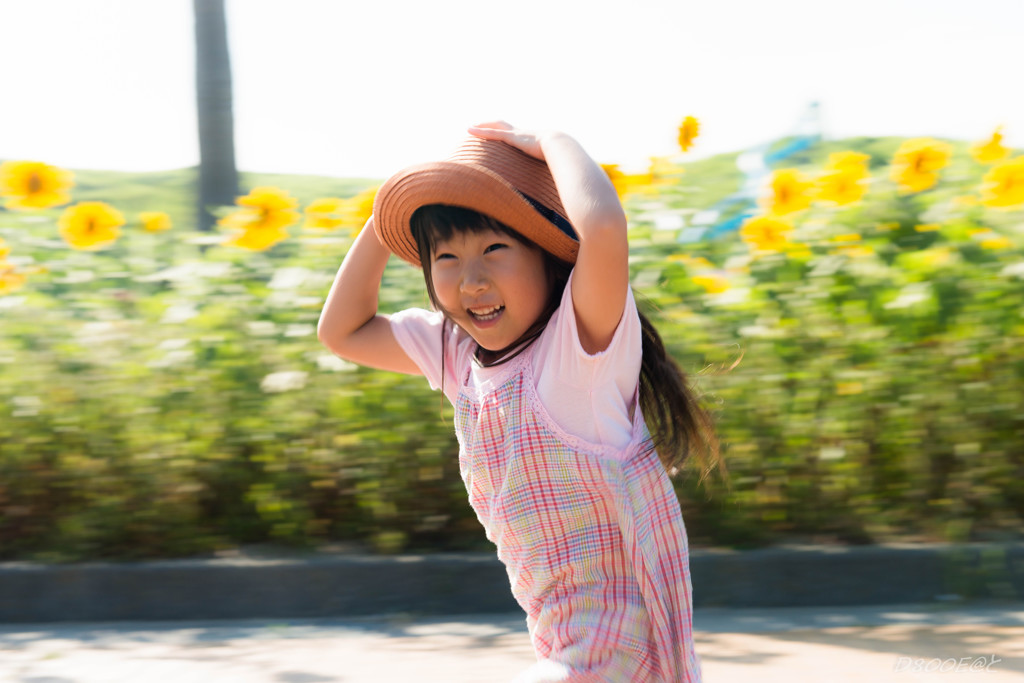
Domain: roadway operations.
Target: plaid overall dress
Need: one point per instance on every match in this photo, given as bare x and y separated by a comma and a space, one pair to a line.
592, 537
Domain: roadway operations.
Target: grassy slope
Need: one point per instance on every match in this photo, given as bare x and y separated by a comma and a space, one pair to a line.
173, 191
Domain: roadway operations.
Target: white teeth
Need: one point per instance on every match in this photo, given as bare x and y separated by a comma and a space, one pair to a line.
486, 313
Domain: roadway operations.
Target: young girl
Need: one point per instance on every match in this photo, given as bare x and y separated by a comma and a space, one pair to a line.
536, 340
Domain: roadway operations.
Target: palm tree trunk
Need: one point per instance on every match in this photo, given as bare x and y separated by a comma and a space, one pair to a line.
218, 177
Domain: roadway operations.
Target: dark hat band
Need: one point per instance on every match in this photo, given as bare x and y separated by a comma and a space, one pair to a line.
553, 216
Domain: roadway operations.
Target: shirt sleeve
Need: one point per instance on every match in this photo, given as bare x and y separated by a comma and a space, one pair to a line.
419, 333
591, 396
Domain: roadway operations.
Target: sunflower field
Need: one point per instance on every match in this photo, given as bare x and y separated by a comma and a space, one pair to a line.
857, 338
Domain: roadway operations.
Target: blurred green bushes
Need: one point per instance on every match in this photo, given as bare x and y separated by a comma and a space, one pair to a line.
159, 402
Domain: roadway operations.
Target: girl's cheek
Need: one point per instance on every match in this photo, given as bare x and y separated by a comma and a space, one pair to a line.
443, 281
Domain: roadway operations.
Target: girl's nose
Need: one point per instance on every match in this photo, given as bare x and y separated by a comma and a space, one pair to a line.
474, 279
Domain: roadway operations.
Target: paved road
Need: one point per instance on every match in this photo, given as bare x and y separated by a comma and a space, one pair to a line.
900, 643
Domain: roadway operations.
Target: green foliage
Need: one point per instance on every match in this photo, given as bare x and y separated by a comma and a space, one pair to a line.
156, 401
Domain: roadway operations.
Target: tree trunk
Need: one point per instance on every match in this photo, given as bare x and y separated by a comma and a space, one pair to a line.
218, 177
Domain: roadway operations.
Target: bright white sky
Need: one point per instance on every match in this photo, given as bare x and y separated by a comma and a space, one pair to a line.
345, 88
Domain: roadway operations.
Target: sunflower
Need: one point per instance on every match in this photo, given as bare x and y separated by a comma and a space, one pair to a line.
848, 244
1003, 186
917, 163
997, 242
991, 150
4, 250
90, 225
688, 131
790, 193
324, 214
853, 162
798, 251
34, 185
712, 283
767, 233
355, 211
155, 221
988, 238
840, 187
10, 279
264, 208
262, 217
256, 239
843, 180
627, 183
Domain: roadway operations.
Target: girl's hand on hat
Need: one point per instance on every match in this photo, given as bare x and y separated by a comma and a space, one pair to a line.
526, 141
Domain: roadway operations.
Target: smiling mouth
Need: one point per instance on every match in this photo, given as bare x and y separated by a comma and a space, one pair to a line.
485, 314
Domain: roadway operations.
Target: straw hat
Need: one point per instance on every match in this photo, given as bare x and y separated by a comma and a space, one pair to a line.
488, 176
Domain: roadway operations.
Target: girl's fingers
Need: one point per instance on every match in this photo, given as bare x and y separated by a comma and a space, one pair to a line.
504, 132
491, 133
500, 125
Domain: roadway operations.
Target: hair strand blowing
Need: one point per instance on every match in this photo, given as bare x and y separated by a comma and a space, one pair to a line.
679, 426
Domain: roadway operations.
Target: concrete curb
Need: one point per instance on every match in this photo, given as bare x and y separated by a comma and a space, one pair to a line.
355, 585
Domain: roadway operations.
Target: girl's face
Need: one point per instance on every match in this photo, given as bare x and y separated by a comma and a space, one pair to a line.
490, 284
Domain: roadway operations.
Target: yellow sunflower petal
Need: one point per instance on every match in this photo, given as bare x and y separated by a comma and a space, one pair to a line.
10, 279
155, 221
324, 213
34, 185
790, 192
767, 233
917, 162
1003, 185
843, 180
256, 219
848, 161
90, 225
688, 131
258, 239
999, 242
713, 284
991, 150
268, 199
358, 209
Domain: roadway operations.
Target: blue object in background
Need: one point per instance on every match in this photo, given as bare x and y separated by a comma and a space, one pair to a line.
756, 164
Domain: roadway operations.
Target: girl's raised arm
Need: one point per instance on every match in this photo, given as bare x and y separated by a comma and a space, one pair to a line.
601, 274
349, 324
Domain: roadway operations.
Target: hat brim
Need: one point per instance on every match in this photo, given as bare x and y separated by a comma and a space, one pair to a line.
464, 185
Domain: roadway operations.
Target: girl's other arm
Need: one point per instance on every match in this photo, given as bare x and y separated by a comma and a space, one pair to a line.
601, 275
349, 323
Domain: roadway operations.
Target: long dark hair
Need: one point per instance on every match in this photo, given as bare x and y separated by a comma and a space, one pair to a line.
679, 426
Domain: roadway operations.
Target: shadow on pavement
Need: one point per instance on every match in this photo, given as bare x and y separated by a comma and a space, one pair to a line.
796, 644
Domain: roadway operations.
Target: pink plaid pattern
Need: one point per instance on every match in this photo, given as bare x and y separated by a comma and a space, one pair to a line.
593, 539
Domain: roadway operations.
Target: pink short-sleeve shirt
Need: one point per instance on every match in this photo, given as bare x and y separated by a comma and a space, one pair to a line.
588, 395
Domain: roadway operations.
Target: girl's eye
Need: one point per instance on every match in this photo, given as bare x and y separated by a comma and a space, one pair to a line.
443, 256
495, 247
